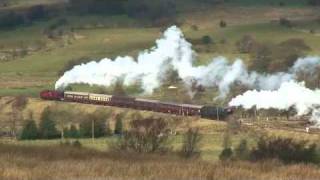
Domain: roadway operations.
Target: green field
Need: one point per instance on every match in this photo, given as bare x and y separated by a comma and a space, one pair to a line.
291, 3
96, 37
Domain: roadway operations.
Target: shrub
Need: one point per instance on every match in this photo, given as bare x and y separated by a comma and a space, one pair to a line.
206, 40
118, 129
314, 2
47, 126
107, 7
261, 58
286, 53
36, 12
58, 23
151, 10
282, 4
93, 123
226, 154
65, 143
286, 150
10, 19
135, 116
86, 128
4, 3
76, 144
285, 22
18, 105
227, 139
29, 131
246, 44
72, 132
190, 147
223, 41
223, 24
295, 44
171, 76
276, 57
146, 135
233, 125
194, 27
242, 150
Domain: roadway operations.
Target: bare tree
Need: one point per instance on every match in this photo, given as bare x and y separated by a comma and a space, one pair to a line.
145, 135
63, 115
190, 147
17, 106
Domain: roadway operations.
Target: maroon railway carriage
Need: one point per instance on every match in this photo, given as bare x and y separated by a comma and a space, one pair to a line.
80, 97
171, 108
136, 103
126, 102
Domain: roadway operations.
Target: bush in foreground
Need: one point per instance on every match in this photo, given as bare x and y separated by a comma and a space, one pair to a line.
118, 129
242, 150
287, 150
206, 40
190, 147
65, 162
145, 135
226, 154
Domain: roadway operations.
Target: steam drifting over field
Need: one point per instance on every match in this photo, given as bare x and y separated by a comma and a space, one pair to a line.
172, 50
290, 94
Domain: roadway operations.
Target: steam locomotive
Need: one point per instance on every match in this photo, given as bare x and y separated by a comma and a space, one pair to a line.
207, 112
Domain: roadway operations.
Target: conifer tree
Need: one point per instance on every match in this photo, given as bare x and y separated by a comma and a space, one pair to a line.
118, 130
47, 126
29, 131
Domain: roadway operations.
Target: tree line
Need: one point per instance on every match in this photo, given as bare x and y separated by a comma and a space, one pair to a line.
163, 11
139, 9
56, 124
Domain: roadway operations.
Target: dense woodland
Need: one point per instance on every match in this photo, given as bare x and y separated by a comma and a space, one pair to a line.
164, 10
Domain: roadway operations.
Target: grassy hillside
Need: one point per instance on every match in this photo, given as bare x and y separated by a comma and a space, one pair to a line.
95, 37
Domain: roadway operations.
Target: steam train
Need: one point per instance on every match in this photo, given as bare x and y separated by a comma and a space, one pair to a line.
207, 112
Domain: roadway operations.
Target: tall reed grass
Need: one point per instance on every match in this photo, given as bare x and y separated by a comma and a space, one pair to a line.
19, 162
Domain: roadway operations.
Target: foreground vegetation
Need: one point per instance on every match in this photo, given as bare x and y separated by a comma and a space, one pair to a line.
47, 137
25, 162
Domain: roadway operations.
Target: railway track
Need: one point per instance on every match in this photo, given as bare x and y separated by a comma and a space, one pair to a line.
207, 112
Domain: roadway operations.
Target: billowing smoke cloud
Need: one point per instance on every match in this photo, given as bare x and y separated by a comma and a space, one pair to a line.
172, 48
290, 94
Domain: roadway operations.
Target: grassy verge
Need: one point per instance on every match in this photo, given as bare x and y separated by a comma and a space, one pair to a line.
30, 162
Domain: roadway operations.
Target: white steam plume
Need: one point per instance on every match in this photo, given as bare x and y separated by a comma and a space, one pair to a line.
172, 48
290, 94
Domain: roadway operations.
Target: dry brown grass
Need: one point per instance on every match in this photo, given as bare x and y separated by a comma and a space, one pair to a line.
22, 162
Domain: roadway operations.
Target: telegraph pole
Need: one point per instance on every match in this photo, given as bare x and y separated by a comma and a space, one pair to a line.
92, 129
